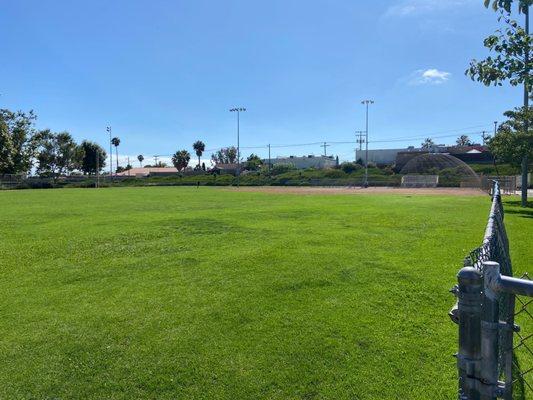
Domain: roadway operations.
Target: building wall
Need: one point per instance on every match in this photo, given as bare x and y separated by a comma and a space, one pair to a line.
383, 156
318, 162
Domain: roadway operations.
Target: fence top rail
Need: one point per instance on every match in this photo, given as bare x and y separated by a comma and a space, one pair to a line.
495, 245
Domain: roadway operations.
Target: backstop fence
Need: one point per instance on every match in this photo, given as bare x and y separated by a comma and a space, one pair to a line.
495, 359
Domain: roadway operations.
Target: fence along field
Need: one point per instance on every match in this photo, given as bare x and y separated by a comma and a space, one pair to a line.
176, 292
495, 357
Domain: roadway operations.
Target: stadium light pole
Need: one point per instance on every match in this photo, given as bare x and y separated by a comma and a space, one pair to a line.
367, 103
238, 110
110, 154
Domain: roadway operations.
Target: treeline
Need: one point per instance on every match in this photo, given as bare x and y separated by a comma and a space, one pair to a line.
52, 154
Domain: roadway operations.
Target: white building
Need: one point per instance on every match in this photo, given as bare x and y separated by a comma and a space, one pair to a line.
382, 156
310, 161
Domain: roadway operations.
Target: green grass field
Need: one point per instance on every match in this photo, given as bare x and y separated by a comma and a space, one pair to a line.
185, 293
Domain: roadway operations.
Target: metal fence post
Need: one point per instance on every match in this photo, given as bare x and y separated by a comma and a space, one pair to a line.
469, 307
490, 332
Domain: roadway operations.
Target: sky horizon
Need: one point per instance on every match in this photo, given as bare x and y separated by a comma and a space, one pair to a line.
164, 74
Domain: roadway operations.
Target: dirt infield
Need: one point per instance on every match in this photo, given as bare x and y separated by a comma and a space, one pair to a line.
357, 190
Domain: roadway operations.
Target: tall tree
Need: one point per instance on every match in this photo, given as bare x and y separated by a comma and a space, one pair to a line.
181, 159
427, 144
463, 140
56, 153
199, 148
512, 63
88, 153
510, 144
225, 156
116, 142
140, 157
7, 149
253, 162
507, 4
20, 148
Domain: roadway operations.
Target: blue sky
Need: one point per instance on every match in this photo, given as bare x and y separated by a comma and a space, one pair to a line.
164, 73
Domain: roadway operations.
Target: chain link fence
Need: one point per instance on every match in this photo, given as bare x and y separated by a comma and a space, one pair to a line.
495, 358
523, 346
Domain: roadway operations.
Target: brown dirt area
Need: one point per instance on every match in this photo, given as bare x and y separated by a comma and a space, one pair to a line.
306, 190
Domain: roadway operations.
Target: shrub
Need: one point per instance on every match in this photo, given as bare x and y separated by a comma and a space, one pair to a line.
349, 167
334, 173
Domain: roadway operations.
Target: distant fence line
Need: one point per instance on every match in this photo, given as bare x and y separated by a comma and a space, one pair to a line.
295, 178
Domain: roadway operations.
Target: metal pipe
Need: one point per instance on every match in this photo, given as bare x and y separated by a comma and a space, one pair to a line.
367, 103
506, 284
489, 332
470, 286
517, 286
526, 119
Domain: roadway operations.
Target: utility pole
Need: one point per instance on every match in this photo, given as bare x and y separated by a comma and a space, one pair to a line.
493, 157
238, 110
269, 160
325, 145
526, 120
97, 181
128, 165
155, 159
110, 153
360, 141
484, 137
367, 103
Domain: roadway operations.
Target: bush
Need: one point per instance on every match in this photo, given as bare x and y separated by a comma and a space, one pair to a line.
349, 167
388, 170
334, 173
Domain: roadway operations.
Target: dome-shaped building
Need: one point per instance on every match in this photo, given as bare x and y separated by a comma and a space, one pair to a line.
435, 164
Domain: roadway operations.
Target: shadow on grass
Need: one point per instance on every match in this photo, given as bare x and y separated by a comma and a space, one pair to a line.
514, 207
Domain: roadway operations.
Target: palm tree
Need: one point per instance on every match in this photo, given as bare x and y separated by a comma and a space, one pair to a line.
115, 142
463, 140
180, 159
140, 157
199, 148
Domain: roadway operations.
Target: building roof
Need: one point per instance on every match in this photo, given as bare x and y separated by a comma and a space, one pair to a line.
148, 171
227, 166
304, 157
467, 149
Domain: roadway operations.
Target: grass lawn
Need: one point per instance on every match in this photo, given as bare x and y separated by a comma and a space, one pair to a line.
185, 293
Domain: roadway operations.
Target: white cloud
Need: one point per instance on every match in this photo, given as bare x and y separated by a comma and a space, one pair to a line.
430, 76
405, 8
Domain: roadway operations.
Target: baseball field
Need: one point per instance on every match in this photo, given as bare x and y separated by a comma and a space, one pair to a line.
213, 293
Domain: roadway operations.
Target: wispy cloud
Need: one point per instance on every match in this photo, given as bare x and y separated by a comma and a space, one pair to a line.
406, 8
431, 76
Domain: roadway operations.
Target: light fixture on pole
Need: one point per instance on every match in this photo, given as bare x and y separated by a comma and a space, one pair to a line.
238, 110
367, 103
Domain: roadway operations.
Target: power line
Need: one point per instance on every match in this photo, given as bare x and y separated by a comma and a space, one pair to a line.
433, 135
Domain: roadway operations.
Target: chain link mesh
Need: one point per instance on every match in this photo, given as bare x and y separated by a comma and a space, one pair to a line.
523, 346
515, 361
